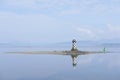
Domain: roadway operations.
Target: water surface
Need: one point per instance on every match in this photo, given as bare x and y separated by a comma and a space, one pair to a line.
58, 67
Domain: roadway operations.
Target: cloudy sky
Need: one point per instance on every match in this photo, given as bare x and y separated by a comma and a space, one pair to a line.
59, 20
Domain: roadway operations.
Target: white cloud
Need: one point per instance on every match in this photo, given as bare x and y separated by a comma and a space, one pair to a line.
32, 27
36, 3
73, 3
84, 32
113, 28
108, 32
66, 7
19, 3
70, 12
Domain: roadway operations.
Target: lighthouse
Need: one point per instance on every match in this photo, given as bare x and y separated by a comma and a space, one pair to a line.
74, 48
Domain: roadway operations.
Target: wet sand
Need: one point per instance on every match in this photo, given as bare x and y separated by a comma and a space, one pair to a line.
59, 52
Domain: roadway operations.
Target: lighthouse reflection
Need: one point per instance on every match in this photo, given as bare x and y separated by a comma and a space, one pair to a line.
74, 60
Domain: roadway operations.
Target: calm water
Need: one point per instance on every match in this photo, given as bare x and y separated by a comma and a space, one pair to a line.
58, 67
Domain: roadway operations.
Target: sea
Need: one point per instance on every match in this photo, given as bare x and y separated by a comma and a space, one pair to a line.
104, 66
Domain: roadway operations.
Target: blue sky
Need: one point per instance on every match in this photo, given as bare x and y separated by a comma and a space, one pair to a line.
59, 20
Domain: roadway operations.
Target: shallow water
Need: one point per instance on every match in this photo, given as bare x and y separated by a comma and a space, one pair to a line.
58, 67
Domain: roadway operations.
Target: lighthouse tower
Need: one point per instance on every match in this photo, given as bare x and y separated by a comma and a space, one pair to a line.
74, 48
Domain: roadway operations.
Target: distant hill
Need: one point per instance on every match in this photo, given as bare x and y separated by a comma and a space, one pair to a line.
61, 44
90, 43
112, 44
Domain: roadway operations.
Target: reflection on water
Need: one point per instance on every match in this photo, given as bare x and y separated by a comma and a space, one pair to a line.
58, 67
